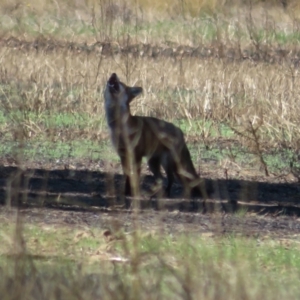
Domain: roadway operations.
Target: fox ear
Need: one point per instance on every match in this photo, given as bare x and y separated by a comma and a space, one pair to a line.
135, 91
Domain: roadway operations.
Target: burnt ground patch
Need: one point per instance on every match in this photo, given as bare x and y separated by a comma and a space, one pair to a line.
83, 189
87, 197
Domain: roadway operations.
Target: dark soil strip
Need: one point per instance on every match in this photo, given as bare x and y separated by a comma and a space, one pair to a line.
221, 51
87, 190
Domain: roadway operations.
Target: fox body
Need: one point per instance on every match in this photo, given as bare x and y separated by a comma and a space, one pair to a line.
135, 137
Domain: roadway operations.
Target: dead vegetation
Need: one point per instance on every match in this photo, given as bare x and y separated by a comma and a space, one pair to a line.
256, 101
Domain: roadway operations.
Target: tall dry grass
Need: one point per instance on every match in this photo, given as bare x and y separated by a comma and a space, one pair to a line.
240, 94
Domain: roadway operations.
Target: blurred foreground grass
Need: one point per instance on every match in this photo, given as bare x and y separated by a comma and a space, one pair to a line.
59, 262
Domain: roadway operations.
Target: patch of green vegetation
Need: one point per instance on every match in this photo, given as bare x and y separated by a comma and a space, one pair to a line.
202, 127
283, 37
170, 29
282, 159
60, 150
69, 120
51, 25
277, 161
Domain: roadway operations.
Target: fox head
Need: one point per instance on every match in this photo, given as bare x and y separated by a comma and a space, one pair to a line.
117, 91
117, 97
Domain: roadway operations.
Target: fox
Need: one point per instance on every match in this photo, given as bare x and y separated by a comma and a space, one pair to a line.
135, 137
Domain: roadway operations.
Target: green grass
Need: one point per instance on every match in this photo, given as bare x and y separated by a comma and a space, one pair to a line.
46, 150
172, 266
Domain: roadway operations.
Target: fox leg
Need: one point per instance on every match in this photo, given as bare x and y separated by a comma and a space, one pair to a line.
154, 164
170, 176
190, 183
131, 172
170, 169
135, 176
126, 172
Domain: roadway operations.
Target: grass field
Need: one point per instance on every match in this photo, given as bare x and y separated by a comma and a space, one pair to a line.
225, 72
58, 262
229, 80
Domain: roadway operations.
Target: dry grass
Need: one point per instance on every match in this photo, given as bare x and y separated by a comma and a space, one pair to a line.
257, 100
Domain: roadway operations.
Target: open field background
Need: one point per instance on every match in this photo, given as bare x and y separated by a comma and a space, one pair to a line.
226, 72
229, 80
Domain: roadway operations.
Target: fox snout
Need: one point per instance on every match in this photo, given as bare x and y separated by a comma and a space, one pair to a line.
113, 83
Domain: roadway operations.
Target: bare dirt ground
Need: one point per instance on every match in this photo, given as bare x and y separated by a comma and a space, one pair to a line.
88, 194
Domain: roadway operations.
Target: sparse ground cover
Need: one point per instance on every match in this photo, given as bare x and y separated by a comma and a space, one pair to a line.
226, 73
96, 258
63, 136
